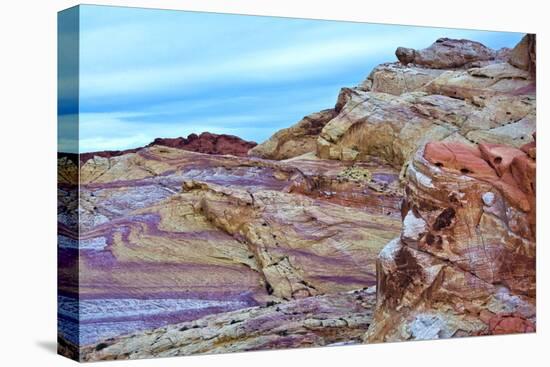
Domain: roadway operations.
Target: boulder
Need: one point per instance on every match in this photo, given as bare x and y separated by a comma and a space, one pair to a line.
523, 56
446, 53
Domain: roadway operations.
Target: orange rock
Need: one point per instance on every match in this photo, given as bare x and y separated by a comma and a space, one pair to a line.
523, 170
458, 157
507, 168
499, 156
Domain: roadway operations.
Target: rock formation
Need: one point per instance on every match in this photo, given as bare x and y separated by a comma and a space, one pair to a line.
407, 211
207, 143
464, 263
446, 53
335, 319
455, 90
211, 234
296, 140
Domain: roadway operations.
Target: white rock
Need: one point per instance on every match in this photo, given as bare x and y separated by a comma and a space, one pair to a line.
413, 227
488, 198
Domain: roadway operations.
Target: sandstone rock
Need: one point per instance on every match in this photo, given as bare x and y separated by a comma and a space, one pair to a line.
204, 143
162, 215
208, 143
510, 324
446, 53
389, 127
245, 253
453, 90
295, 140
313, 321
465, 260
523, 56
293, 237
484, 82
396, 79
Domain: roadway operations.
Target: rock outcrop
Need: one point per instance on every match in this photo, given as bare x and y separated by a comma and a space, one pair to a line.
455, 90
335, 319
464, 263
523, 56
407, 211
446, 53
211, 234
296, 140
206, 142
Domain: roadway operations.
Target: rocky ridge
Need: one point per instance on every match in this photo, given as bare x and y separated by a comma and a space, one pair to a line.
454, 90
205, 142
407, 211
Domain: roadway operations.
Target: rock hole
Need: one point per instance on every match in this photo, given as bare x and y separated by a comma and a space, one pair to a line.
498, 160
101, 346
444, 219
439, 164
430, 239
465, 171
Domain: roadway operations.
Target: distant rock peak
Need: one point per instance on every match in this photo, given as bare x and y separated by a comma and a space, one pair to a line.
206, 142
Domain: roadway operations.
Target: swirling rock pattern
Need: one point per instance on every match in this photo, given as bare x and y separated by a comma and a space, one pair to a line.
406, 211
166, 236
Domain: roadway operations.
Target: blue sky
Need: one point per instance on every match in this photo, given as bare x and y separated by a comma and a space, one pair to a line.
156, 73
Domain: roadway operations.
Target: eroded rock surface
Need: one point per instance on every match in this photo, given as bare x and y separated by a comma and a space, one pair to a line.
465, 261
453, 90
168, 236
296, 140
334, 319
420, 183
446, 53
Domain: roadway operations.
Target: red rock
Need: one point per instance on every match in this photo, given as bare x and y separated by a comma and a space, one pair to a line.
467, 249
206, 142
531, 148
499, 156
458, 157
510, 324
491, 163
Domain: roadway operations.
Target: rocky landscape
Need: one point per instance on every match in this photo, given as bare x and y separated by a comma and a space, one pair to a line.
407, 211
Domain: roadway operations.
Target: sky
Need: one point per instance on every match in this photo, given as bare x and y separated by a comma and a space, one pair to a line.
148, 73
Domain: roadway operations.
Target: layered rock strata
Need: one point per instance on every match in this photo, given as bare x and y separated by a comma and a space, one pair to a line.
335, 319
420, 184
167, 236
